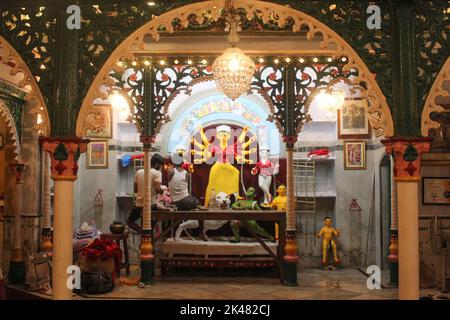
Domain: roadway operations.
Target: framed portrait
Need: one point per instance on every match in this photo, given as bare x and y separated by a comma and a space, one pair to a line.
353, 120
436, 191
97, 155
98, 123
355, 155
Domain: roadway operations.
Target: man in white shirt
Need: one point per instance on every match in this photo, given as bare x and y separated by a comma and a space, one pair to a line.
179, 185
156, 163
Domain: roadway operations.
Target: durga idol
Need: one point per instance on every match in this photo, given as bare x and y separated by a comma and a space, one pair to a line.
223, 177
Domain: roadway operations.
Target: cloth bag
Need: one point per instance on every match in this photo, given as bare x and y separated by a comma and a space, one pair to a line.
38, 274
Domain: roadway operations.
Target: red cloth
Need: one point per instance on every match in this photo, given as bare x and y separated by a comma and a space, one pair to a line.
265, 168
137, 156
319, 152
104, 249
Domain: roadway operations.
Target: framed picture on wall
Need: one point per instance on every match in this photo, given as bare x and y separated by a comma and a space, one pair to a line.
98, 123
436, 191
353, 120
97, 154
355, 155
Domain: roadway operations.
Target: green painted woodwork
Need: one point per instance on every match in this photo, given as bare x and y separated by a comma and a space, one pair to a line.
410, 154
413, 35
170, 79
60, 152
289, 98
17, 272
13, 99
404, 98
64, 104
147, 271
290, 274
149, 93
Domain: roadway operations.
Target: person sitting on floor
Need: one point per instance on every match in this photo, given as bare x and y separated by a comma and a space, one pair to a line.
178, 185
156, 177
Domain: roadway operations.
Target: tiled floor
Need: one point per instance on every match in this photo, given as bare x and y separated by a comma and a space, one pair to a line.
313, 284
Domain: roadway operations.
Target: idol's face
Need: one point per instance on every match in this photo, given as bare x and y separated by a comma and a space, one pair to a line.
250, 192
328, 222
281, 190
223, 136
264, 154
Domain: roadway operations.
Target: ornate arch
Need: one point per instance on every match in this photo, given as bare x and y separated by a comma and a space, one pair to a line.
11, 126
379, 112
430, 104
10, 57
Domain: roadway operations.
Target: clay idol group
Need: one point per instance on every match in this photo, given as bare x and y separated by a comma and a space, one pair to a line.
222, 191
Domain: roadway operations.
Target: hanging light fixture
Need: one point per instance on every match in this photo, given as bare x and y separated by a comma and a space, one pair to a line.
330, 101
233, 70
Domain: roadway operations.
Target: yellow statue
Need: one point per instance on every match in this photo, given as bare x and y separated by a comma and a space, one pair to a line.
223, 177
279, 203
327, 233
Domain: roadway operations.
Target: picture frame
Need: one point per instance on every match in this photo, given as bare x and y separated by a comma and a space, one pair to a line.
353, 120
97, 154
98, 123
355, 155
436, 191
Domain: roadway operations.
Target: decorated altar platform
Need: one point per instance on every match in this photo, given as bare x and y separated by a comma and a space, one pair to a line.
221, 254
214, 248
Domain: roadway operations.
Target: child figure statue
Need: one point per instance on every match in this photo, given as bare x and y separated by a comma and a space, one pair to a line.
327, 233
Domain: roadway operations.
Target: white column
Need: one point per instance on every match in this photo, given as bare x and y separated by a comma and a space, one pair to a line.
62, 238
408, 238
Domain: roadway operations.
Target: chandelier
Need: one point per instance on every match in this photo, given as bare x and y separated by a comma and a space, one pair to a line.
330, 101
233, 70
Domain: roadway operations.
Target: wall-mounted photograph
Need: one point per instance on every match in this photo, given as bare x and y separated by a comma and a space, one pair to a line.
355, 155
436, 190
98, 123
97, 155
353, 120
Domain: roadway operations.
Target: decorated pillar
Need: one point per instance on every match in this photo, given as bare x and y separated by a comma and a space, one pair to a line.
64, 154
407, 154
2, 226
46, 244
291, 248
147, 258
393, 241
16, 273
147, 139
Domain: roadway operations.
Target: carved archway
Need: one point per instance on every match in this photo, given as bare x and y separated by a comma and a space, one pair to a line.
17, 67
430, 104
11, 128
379, 113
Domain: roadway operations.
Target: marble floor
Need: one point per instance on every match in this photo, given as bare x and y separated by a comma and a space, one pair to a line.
314, 284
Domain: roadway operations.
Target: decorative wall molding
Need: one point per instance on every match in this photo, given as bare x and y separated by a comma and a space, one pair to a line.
379, 113
11, 128
35, 101
430, 104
